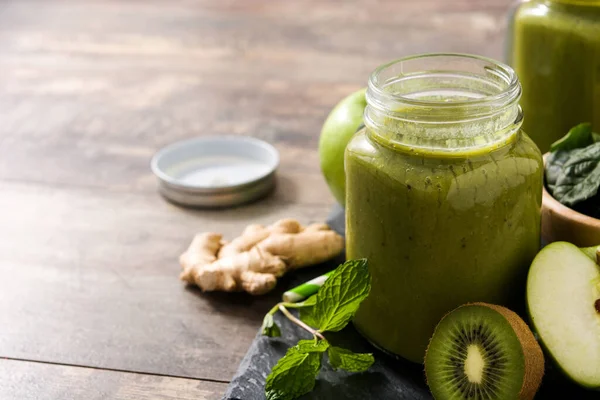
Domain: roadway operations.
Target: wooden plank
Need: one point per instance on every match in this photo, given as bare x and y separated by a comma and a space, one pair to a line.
88, 103
91, 278
22, 380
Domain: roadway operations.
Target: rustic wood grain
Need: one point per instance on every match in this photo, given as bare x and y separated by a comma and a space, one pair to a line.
22, 380
89, 90
90, 278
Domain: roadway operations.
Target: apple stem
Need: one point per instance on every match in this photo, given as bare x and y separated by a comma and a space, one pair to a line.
597, 306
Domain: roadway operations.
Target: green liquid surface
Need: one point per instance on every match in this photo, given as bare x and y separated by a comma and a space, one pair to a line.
439, 231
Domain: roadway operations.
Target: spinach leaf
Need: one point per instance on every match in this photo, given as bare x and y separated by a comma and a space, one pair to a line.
554, 168
579, 136
579, 178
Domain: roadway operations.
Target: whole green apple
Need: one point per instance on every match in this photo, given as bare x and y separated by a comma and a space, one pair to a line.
339, 127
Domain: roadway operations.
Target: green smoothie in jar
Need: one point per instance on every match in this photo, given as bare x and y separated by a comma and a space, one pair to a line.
554, 46
443, 195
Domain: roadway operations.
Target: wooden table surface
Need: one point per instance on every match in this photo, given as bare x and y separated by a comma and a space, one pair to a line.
90, 302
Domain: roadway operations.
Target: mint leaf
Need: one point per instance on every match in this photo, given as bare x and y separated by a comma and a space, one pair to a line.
330, 309
311, 301
269, 327
296, 372
309, 346
579, 136
307, 313
339, 297
349, 361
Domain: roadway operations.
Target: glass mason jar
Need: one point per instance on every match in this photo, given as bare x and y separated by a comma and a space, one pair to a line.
443, 195
554, 45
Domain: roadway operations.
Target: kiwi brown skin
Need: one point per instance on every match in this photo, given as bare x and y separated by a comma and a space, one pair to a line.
533, 355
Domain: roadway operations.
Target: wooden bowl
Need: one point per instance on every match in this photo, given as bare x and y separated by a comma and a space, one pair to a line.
560, 223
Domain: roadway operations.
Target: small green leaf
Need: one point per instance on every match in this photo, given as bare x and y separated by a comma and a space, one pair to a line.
307, 313
579, 179
339, 297
309, 346
269, 327
311, 301
347, 360
296, 372
554, 166
579, 136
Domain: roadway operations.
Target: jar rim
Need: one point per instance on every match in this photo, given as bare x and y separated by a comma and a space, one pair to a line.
444, 102
507, 95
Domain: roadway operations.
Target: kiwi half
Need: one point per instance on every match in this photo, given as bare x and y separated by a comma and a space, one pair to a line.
483, 352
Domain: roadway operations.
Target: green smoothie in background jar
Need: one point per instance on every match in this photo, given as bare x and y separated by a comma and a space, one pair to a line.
443, 195
554, 45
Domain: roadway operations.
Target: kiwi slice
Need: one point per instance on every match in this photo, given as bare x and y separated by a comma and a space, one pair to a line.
483, 352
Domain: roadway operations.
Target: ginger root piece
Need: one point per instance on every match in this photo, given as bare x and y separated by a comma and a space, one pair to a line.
253, 234
202, 250
254, 271
317, 227
287, 225
254, 261
303, 249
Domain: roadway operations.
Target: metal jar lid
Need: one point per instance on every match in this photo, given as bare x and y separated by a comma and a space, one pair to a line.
219, 171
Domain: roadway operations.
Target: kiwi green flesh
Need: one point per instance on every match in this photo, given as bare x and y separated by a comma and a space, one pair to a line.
475, 354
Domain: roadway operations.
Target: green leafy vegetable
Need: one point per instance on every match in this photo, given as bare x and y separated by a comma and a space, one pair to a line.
554, 168
307, 313
580, 176
269, 327
579, 136
310, 346
311, 301
329, 310
347, 360
339, 297
573, 170
296, 372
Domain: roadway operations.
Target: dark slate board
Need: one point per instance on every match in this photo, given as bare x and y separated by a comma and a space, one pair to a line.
388, 378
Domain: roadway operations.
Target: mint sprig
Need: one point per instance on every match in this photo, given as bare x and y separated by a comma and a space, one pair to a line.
330, 310
295, 374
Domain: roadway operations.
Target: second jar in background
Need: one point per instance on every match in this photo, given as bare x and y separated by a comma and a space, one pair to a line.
554, 46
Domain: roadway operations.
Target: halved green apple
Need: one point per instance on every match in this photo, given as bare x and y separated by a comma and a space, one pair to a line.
563, 289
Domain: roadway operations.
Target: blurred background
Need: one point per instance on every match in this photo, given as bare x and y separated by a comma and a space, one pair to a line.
99, 85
